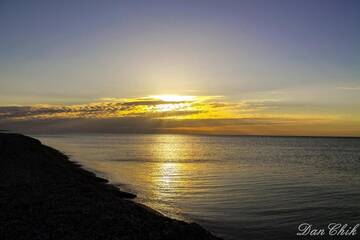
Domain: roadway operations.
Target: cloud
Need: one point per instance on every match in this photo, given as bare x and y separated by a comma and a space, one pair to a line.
116, 108
157, 125
202, 114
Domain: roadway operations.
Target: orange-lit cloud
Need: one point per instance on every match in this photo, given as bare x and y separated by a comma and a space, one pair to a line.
175, 114
161, 107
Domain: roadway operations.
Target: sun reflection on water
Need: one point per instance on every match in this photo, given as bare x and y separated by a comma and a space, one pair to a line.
168, 173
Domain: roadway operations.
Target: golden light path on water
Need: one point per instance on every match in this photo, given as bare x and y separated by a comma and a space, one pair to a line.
168, 176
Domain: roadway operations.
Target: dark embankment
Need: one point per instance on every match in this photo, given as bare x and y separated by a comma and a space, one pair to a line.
45, 196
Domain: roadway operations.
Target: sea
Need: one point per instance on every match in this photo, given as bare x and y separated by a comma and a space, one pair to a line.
238, 187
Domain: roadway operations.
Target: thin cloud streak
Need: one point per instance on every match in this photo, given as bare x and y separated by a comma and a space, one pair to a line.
351, 88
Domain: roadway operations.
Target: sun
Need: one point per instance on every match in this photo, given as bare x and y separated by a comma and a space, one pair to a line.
173, 103
174, 98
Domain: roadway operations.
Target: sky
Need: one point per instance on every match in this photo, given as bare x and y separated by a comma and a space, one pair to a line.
254, 67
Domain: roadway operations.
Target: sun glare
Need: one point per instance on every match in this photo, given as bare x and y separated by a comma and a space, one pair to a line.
174, 98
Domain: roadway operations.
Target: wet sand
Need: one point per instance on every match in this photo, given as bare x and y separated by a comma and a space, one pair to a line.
43, 195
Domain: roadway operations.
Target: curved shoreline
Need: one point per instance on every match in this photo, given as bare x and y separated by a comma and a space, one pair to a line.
44, 195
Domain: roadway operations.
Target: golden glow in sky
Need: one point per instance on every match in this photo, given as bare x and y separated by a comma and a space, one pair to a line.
173, 113
174, 98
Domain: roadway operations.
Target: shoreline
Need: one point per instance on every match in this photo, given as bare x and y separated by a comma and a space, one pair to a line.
45, 195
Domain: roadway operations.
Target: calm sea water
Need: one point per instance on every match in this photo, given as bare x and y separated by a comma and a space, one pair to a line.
237, 187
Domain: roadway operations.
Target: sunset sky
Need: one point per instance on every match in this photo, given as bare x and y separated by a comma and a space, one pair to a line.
270, 67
